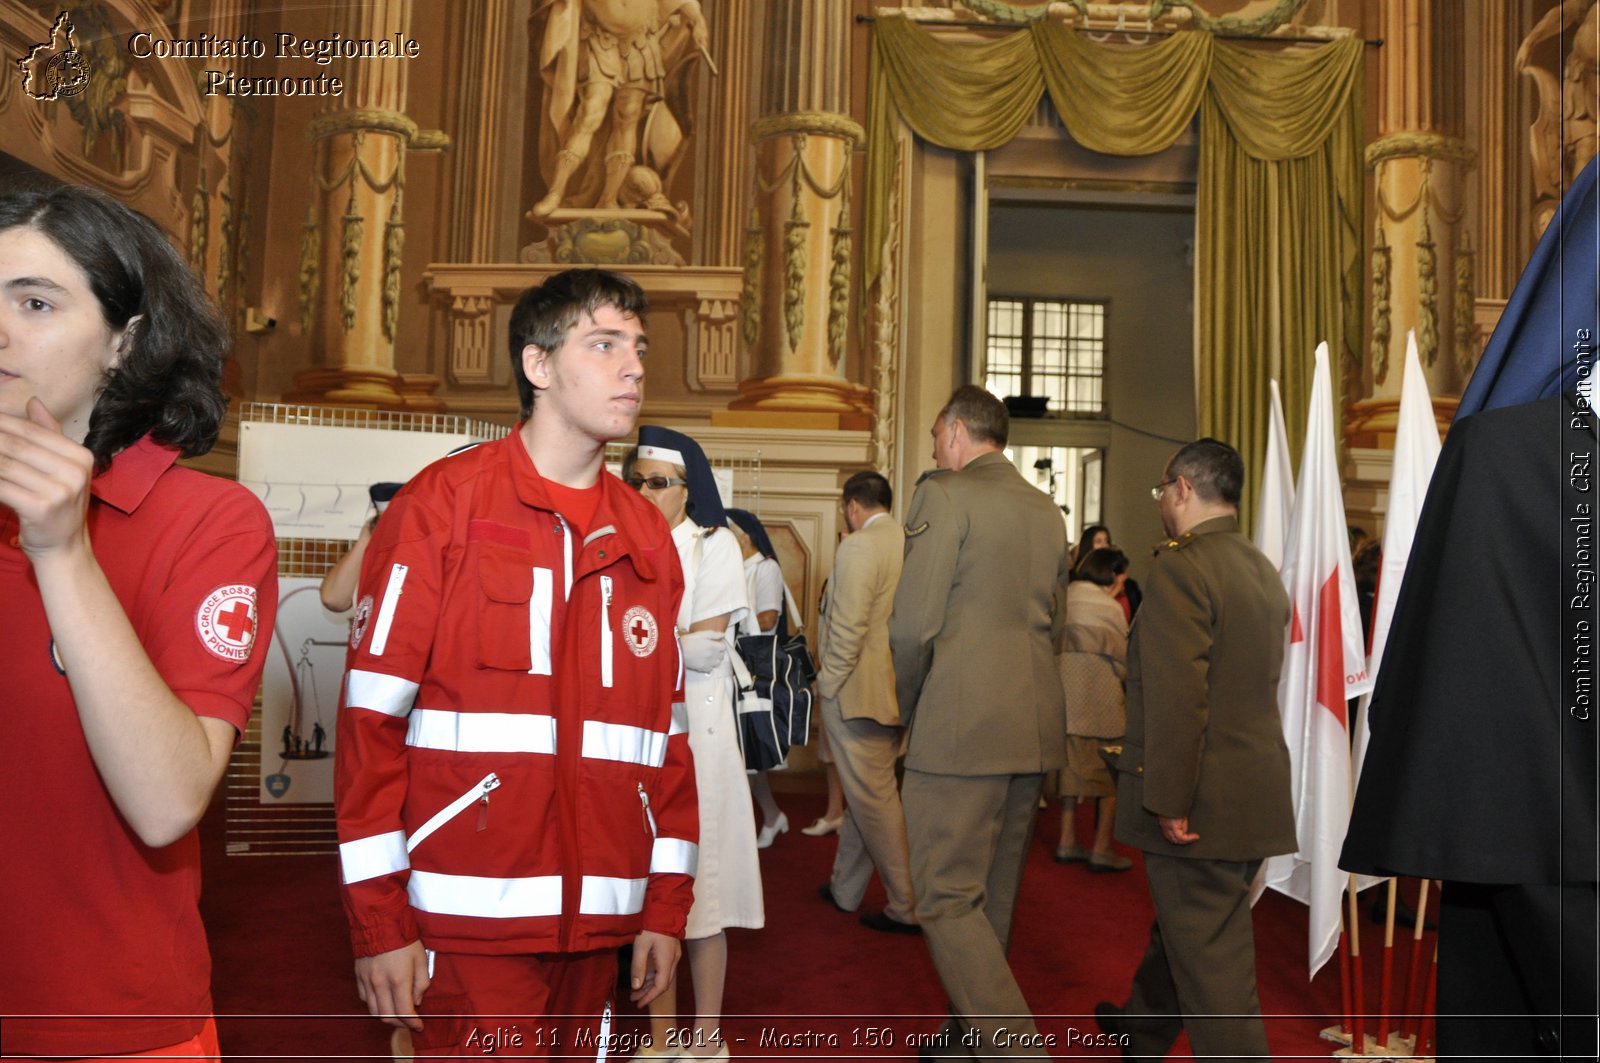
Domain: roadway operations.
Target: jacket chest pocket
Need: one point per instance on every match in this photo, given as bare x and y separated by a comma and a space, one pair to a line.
517, 600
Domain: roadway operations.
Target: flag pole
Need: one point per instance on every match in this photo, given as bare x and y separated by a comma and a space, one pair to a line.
1386, 983
1358, 1035
1414, 972
1358, 1039
1425, 1029
1347, 1009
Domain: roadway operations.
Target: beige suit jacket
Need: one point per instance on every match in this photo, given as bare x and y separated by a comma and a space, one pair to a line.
856, 669
974, 668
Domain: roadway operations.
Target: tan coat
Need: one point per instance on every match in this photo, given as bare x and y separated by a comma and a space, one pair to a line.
974, 668
1093, 660
857, 670
1204, 738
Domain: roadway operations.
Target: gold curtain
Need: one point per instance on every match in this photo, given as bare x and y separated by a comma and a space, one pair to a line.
1121, 102
1278, 200
1277, 236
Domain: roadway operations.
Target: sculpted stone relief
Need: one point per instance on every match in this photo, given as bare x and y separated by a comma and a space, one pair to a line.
1562, 137
615, 122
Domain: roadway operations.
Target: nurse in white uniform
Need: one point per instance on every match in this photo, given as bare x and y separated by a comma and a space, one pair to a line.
672, 472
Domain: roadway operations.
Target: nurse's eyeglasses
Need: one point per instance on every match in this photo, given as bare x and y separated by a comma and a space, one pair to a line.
655, 483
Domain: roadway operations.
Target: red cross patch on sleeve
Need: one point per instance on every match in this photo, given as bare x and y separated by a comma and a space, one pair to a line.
639, 630
226, 622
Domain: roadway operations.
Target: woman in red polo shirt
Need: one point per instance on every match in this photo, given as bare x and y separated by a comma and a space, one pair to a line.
131, 591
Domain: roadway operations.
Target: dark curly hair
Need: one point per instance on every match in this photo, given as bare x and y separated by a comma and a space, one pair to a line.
167, 383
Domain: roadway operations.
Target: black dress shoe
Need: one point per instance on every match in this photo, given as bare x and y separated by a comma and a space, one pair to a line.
825, 891
887, 924
1108, 1017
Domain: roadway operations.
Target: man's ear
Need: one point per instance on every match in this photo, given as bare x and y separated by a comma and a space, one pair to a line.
536, 365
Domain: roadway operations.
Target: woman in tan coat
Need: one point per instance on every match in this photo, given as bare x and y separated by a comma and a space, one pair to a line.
1092, 656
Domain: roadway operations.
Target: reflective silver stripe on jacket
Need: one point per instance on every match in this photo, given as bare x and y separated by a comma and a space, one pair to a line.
388, 694
380, 854
481, 732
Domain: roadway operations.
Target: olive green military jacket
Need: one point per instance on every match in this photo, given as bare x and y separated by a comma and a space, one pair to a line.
1204, 738
975, 673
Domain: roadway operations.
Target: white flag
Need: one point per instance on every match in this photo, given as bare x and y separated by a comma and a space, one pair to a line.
1324, 664
1416, 451
1276, 500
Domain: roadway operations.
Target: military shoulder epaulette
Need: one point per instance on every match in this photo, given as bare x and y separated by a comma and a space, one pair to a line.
1173, 544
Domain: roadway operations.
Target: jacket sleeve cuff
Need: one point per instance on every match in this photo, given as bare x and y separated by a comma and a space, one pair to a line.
384, 932
666, 904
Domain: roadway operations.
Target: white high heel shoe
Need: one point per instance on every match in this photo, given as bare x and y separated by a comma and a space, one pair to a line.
769, 832
822, 826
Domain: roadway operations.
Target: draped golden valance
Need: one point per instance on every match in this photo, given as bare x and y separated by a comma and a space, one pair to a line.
1278, 197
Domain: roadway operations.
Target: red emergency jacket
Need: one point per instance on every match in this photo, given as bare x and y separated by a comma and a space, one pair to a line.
513, 771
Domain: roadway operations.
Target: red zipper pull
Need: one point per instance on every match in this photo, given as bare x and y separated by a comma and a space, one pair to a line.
483, 806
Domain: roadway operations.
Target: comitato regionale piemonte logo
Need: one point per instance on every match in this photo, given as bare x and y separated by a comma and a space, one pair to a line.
56, 68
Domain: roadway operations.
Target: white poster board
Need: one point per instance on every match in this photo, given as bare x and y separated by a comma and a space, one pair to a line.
300, 689
313, 479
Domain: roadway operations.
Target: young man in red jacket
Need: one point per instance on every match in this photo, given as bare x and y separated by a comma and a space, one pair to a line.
514, 787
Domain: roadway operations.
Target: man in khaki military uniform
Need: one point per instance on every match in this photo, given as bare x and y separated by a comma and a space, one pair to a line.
976, 679
1203, 779
856, 683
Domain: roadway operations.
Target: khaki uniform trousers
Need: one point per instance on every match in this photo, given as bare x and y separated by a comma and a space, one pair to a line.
1199, 971
969, 839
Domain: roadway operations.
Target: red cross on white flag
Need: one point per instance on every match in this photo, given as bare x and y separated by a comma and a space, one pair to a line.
1324, 663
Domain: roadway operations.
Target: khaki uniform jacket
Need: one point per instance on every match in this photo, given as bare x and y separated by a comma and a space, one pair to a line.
974, 668
1204, 738
857, 670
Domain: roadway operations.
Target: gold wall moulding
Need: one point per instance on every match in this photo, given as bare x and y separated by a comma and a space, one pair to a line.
373, 120
825, 123
1414, 144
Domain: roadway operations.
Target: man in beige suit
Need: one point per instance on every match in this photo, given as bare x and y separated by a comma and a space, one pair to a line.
976, 679
1203, 779
859, 711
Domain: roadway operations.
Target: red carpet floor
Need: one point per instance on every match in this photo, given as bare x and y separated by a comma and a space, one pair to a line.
812, 983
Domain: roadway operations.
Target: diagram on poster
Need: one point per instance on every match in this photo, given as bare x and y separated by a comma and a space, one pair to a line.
300, 697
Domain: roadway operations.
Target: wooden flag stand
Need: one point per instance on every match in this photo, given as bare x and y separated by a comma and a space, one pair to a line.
1389, 1043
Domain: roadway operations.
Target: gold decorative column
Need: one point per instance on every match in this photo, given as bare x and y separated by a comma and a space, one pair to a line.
354, 228
218, 222
1422, 256
800, 247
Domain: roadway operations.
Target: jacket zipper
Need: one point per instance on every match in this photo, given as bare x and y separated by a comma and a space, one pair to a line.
566, 554
479, 793
649, 817
605, 631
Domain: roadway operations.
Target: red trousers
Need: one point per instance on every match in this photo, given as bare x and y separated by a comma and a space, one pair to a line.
521, 1007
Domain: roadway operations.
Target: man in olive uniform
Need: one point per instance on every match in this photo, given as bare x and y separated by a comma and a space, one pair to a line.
975, 676
1203, 779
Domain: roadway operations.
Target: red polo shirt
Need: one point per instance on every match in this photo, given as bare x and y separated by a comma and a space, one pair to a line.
100, 935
